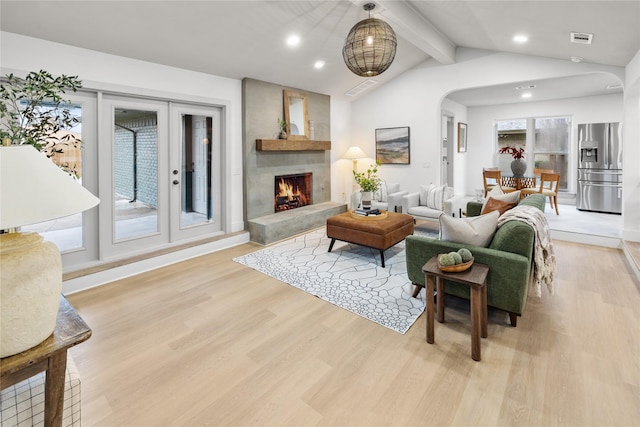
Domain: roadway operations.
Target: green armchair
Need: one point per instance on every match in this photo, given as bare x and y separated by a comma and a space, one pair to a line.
509, 257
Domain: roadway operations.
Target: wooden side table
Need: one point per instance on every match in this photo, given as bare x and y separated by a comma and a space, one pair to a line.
476, 278
50, 356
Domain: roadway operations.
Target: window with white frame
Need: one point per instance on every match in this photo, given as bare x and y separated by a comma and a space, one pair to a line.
546, 141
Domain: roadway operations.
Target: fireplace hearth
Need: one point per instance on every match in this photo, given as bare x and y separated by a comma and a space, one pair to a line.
292, 191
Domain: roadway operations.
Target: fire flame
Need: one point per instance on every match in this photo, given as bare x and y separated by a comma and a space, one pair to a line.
287, 190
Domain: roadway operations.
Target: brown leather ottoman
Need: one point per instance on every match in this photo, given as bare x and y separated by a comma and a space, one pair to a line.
373, 232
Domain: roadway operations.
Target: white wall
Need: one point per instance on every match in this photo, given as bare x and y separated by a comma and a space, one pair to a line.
341, 175
631, 135
482, 146
22, 54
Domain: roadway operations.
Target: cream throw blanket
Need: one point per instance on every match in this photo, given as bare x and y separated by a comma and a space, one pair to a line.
544, 260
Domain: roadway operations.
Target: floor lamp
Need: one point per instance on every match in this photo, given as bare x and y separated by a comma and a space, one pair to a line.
354, 153
32, 189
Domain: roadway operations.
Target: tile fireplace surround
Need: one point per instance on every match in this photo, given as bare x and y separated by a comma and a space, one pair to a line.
262, 106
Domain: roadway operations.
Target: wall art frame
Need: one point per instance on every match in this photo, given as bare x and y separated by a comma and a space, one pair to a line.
393, 145
462, 137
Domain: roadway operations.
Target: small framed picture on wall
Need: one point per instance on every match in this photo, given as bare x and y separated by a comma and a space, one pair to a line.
462, 137
392, 145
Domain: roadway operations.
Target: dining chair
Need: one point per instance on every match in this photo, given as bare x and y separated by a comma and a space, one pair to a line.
537, 172
492, 177
549, 184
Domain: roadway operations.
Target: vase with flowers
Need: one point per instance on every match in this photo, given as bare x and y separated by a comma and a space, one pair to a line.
369, 184
518, 165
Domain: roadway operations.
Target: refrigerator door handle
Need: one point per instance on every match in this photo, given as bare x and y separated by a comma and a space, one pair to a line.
607, 148
596, 184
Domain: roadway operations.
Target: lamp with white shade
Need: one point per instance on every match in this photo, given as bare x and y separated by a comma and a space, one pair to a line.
354, 153
32, 190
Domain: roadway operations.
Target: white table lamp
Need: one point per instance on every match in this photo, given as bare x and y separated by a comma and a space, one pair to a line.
32, 189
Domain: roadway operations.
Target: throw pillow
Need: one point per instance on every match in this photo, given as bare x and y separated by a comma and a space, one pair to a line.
381, 193
497, 194
474, 231
424, 193
496, 205
435, 198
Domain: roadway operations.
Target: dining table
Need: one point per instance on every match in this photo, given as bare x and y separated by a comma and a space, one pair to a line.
519, 181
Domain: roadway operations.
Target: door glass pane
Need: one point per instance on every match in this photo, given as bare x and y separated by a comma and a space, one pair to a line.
135, 172
66, 152
197, 142
551, 146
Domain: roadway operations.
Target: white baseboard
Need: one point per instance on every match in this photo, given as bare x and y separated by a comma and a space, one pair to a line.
587, 239
102, 277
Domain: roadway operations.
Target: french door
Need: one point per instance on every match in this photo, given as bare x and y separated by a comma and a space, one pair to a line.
133, 167
196, 135
160, 174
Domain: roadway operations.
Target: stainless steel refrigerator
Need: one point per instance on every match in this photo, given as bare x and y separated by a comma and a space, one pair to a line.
600, 167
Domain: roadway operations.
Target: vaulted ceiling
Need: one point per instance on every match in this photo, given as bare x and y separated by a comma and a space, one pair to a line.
240, 39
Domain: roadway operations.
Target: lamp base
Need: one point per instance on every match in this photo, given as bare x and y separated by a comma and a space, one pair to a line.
30, 287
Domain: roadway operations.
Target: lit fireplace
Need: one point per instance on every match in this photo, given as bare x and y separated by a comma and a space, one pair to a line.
292, 191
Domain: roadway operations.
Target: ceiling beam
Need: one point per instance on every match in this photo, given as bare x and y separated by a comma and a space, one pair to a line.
412, 26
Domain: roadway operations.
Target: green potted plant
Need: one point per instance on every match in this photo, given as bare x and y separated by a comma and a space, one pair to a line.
369, 184
33, 111
283, 129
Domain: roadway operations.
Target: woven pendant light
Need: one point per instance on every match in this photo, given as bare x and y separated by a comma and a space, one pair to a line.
370, 47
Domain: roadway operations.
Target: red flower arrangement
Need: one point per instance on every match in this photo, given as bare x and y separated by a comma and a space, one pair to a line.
516, 153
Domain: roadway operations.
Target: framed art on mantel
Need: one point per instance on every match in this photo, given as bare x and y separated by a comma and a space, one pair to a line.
462, 137
392, 145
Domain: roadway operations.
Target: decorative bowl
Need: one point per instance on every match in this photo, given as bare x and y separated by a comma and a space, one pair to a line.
456, 268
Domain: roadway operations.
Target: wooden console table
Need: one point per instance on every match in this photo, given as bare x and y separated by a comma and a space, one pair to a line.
50, 356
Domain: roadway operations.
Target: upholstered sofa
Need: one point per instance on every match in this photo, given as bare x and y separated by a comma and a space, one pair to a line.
509, 257
428, 204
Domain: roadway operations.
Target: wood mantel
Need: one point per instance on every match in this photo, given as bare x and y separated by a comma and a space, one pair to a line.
291, 145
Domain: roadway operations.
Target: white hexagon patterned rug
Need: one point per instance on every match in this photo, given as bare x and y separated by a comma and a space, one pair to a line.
350, 276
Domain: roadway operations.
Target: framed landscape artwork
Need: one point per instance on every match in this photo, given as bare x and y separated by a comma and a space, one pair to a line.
392, 145
462, 137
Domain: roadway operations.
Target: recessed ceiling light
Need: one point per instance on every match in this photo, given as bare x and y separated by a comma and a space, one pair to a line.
527, 95
318, 64
520, 38
293, 40
577, 59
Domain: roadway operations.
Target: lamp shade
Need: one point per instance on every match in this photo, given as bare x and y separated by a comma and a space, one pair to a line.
355, 152
33, 189
370, 46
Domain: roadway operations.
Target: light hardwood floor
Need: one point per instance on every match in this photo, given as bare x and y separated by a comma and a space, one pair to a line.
211, 342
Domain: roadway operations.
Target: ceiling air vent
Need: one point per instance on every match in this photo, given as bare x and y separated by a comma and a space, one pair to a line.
582, 38
361, 87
